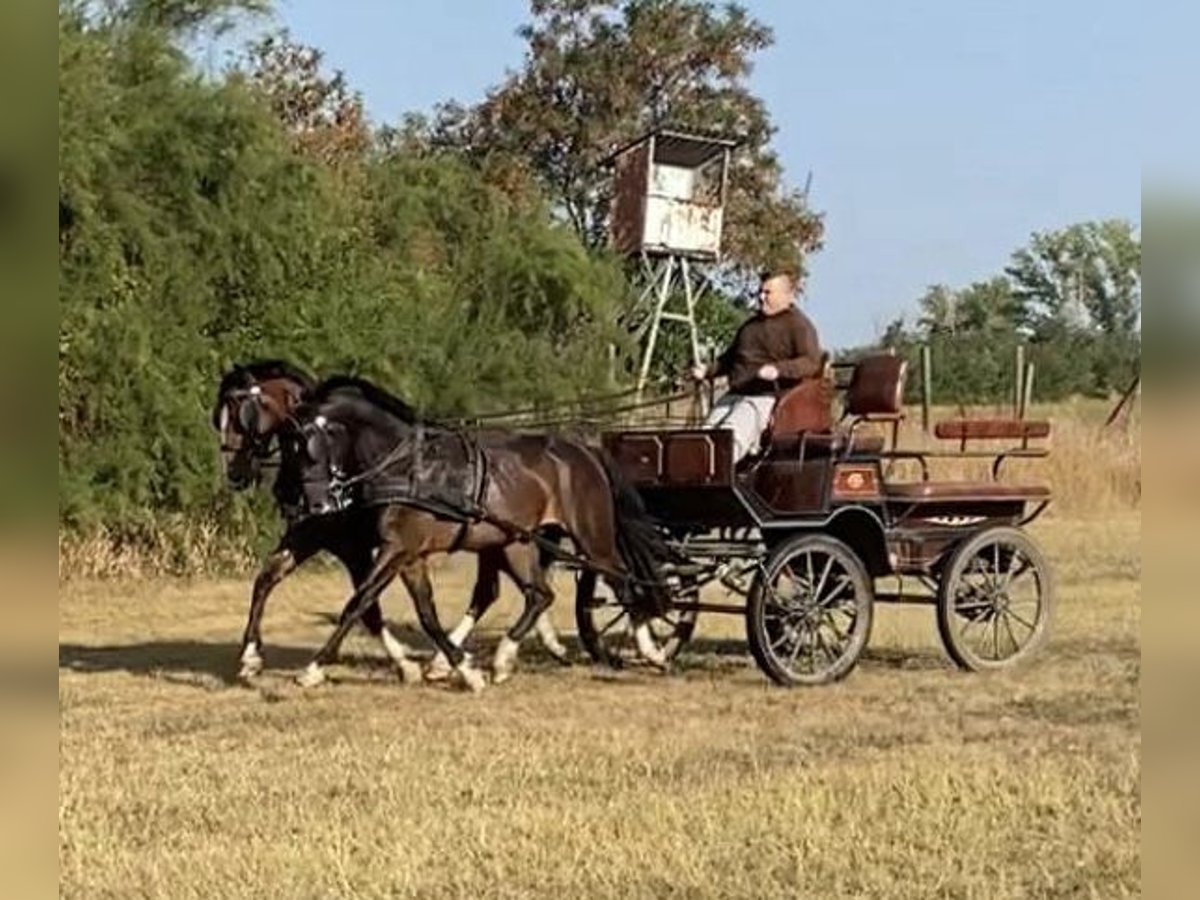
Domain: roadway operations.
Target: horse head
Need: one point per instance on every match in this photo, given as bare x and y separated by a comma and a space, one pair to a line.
342, 434
254, 402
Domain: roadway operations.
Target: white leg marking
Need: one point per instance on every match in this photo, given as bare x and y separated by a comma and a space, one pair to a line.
504, 660
647, 647
548, 634
312, 676
461, 630
252, 662
439, 667
401, 656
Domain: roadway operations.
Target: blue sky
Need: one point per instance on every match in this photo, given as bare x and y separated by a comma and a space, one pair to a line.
939, 133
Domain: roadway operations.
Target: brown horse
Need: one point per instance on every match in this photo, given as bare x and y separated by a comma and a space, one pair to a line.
254, 401
434, 490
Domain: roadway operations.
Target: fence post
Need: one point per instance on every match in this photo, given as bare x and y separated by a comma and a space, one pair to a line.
1019, 373
1027, 387
926, 385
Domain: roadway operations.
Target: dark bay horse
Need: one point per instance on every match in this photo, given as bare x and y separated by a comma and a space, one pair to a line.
254, 402
433, 490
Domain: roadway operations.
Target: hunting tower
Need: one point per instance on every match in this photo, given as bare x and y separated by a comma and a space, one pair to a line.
668, 208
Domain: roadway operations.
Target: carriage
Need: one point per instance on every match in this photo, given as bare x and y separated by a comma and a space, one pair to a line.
809, 534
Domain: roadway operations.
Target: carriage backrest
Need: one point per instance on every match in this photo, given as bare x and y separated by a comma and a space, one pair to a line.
805, 407
877, 386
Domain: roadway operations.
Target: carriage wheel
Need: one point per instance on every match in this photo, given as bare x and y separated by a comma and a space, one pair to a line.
808, 614
606, 630
994, 600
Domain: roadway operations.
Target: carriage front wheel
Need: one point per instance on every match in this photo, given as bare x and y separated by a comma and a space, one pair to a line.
606, 630
994, 600
808, 613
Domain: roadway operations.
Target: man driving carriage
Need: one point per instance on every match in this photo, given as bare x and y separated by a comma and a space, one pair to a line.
774, 350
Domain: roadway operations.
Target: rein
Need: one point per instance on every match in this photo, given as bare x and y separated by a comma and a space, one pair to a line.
592, 417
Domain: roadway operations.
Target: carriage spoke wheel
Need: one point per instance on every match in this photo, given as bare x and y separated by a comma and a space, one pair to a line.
808, 614
994, 600
606, 629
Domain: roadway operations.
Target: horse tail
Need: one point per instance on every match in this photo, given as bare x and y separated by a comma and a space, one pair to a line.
640, 542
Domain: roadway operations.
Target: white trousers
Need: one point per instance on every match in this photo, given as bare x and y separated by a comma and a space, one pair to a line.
748, 417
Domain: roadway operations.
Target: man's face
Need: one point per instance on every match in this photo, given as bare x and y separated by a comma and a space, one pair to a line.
776, 294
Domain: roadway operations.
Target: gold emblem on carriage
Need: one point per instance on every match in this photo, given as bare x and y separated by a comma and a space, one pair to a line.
855, 481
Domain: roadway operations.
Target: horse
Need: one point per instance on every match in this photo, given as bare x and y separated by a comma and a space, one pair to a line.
254, 402
435, 490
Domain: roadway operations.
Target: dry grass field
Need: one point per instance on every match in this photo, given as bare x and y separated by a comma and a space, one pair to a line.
909, 779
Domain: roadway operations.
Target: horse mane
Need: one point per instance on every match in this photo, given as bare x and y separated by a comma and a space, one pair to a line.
369, 391
243, 375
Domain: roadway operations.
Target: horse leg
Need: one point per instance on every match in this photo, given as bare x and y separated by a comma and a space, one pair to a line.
284, 560
399, 652
383, 570
487, 589
358, 562
597, 541
544, 625
416, 579
522, 563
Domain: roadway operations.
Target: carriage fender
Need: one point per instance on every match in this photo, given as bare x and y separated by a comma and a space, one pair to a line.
862, 531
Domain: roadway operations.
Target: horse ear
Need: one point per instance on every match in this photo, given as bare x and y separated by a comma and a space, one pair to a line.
248, 416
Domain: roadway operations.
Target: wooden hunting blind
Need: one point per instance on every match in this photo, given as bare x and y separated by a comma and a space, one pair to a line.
668, 209
669, 195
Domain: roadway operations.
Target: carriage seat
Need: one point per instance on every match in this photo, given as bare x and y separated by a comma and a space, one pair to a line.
830, 443
875, 394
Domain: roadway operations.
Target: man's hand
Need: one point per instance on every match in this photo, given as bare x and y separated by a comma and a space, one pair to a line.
768, 373
699, 372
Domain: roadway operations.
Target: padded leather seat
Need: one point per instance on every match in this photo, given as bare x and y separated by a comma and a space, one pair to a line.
830, 442
875, 393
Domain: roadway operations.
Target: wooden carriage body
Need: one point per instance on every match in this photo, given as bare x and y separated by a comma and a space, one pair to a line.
834, 478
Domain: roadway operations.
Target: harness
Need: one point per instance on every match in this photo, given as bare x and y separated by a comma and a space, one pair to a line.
414, 489
445, 473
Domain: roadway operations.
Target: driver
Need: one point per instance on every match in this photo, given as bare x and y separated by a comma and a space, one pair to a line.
773, 350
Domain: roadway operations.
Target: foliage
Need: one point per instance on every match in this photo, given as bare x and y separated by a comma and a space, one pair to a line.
1071, 297
324, 117
1086, 277
599, 73
204, 221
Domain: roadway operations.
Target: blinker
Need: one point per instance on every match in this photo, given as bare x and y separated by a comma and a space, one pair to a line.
248, 416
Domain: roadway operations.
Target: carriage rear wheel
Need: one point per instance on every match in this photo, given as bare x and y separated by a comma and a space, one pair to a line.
606, 629
808, 614
994, 600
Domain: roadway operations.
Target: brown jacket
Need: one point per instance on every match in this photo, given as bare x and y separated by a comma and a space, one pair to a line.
787, 340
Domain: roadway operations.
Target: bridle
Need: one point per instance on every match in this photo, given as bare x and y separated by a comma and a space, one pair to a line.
325, 481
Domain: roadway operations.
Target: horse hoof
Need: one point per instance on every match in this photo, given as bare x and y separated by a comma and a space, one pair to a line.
472, 678
249, 670
312, 676
439, 669
504, 661
410, 672
252, 662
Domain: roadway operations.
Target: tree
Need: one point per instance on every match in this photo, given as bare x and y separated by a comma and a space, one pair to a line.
324, 117
939, 310
1086, 277
195, 230
599, 73
984, 307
